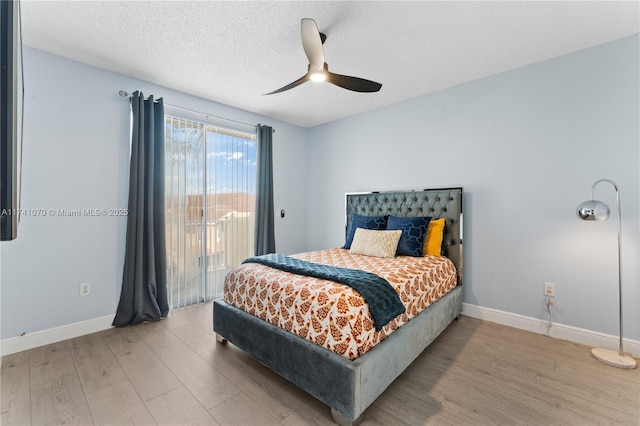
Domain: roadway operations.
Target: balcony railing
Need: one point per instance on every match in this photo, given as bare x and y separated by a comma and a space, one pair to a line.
199, 255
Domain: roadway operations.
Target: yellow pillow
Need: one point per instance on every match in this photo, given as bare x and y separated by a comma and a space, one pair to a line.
433, 242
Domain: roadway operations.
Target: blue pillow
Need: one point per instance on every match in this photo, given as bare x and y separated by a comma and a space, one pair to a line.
414, 232
376, 223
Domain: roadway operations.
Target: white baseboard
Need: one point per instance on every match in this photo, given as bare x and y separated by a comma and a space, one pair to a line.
558, 331
56, 334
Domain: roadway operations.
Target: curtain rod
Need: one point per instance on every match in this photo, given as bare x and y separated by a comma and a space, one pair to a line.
125, 94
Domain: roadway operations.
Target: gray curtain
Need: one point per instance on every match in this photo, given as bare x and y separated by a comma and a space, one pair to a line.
144, 282
265, 235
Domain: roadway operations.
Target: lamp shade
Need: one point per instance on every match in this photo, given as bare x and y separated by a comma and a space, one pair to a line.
593, 210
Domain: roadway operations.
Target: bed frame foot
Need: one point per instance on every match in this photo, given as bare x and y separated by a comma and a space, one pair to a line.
344, 421
220, 339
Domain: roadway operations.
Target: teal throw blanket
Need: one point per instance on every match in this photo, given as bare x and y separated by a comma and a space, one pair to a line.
382, 298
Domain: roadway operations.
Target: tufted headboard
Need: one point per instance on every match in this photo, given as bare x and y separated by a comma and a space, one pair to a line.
435, 203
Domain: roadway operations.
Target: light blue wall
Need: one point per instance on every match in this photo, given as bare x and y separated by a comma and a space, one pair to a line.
76, 156
526, 145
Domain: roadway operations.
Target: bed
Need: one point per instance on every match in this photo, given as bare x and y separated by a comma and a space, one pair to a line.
347, 384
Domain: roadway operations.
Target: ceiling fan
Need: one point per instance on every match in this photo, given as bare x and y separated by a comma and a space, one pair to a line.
312, 41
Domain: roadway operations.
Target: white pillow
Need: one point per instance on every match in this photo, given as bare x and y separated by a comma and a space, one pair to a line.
375, 243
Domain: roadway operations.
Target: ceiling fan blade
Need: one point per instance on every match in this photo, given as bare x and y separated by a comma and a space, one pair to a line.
353, 83
298, 82
312, 44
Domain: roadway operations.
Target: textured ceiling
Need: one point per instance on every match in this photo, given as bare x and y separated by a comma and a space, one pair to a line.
234, 51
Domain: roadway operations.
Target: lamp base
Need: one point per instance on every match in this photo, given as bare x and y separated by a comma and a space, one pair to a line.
613, 358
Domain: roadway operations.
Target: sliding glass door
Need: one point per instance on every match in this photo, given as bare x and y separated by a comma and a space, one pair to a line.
210, 200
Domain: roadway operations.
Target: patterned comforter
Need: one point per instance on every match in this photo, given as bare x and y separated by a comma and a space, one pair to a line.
333, 315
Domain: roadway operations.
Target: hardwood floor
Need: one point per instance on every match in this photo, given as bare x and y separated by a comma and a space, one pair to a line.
174, 373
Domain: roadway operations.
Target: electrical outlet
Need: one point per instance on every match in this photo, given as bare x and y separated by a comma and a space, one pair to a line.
549, 289
85, 289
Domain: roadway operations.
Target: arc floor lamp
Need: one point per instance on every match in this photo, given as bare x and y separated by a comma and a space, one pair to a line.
597, 210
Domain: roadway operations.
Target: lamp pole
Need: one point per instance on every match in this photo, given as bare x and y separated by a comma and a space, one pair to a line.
615, 186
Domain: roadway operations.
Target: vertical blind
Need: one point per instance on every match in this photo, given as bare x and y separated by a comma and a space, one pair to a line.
210, 201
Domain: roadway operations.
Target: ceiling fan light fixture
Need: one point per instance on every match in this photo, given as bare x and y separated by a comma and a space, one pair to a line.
318, 76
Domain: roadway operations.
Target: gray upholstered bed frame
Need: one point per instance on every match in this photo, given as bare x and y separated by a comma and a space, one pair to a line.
350, 386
